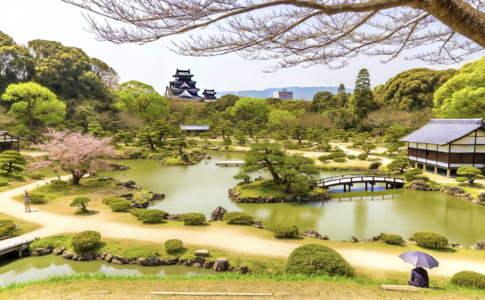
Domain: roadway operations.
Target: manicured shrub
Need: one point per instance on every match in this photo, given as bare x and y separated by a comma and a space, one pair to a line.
323, 158
37, 198
3, 182
58, 185
138, 212
153, 216
351, 157
174, 245
193, 219
107, 200
19, 177
317, 260
411, 175
7, 228
120, 205
86, 240
430, 239
362, 156
339, 160
35, 176
284, 231
336, 155
237, 218
469, 279
392, 239
80, 202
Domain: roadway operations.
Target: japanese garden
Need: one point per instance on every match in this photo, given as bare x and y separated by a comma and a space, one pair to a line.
118, 183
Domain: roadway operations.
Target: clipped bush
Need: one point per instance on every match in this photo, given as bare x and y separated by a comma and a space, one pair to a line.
81, 203
35, 176
153, 216
461, 179
340, 160
193, 219
317, 260
430, 239
86, 240
108, 200
337, 155
323, 158
58, 185
7, 228
173, 245
469, 279
351, 157
37, 198
237, 218
120, 205
284, 231
3, 182
19, 177
393, 239
138, 212
362, 156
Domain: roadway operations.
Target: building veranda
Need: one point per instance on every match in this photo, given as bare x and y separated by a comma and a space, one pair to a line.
9, 142
448, 144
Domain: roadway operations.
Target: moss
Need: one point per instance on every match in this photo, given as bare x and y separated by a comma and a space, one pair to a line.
173, 245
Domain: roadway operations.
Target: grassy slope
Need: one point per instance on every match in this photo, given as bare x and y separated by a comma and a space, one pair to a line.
24, 226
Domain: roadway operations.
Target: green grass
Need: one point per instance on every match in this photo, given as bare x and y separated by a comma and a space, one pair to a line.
24, 226
86, 186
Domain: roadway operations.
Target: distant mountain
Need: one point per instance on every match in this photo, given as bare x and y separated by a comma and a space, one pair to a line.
306, 93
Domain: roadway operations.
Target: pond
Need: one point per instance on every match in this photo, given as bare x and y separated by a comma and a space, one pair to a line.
41, 267
363, 214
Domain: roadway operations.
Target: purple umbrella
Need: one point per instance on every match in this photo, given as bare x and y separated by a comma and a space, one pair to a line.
419, 259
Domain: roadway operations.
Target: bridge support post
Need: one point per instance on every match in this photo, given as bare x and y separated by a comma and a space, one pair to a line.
366, 186
393, 186
345, 188
350, 188
372, 186
387, 185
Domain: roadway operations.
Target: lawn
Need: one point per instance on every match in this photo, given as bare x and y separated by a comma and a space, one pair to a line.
24, 226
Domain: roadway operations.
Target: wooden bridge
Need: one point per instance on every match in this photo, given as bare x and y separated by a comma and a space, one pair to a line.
348, 180
230, 163
11, 245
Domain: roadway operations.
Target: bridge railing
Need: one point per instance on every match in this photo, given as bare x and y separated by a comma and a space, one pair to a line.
360, 179
337, 176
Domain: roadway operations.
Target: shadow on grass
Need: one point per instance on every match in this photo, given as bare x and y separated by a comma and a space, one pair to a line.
200, 225
443, 250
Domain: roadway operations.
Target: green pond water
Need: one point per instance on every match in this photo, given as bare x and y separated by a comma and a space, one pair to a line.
41, 267
203, 187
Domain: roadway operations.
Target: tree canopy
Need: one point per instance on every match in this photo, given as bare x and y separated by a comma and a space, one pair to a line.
141, 99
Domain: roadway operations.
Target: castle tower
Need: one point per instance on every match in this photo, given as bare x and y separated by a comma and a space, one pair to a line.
182, 87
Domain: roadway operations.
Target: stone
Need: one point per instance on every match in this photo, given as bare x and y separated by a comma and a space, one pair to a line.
375, 165
130, 195
102, 255
481, 198
480, 245
189, 262
67, 255
175, 217
182, 261
243, 269
208, 264
151, 261
325, 237
86, 257
455, 245
59, 251
311, 233
257, 222
419, 185
120, 260
218, 213
46, 251
197, 265
201, 252
377, 238
171, 261
454, 190
258, 226
353, 239
108, 257
185, 158
36, 253
221, 265
141, 261
157, 196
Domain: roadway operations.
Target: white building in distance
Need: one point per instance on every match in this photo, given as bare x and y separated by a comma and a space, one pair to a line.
283, 95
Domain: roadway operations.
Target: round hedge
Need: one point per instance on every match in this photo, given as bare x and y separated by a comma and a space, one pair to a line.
37, 198
284, 231
173, 245
469, 279
153, 216
138, 212
120, 205
362, 156
237, 218
7, 228
339, 160
336, 155
107, 200
86, 240
352, 157
193, 219
317, 260
323, 158
392, 239
58, 184
430, 239
3, 182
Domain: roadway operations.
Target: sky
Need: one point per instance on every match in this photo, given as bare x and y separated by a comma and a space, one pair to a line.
154, 63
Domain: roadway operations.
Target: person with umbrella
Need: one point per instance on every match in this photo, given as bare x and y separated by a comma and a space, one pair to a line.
421, 260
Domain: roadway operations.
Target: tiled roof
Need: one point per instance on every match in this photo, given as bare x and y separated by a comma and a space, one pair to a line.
194, 127
443, 131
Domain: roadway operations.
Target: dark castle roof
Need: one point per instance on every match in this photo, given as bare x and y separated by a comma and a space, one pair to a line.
444, 131
184, 73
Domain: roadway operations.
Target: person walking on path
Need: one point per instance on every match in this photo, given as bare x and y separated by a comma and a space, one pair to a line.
27, 202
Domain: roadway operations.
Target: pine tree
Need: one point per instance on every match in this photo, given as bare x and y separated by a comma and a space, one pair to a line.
341, 88
363, 99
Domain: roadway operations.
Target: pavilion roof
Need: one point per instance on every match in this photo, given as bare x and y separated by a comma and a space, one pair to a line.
194, 127
444, 131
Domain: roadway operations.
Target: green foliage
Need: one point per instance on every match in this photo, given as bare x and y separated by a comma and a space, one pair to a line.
36, 176
107, 200
80, 202
37, 198
463, 96
193, 219
58, 185
393, 239
336, 155
237, 218
340, 160
471, 173
4, 182
243, 176
284, 231
11, 161
469, 279
362, 100
352, 157
251, 109
7, 228
138, 212
323, 158
120, 205
368, 147
362, 156
399, 164
173, 245
412, 89
461, 179
430, 239
142, 99
153, 216
412, 174
317, 260
86, 240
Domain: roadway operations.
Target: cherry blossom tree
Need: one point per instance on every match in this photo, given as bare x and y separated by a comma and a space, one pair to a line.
75, 153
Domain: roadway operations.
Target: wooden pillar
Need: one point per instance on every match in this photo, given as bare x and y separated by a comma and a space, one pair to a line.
436, 170
372, 187
393, 186
416, 165
424, 167
345, 188
366, 186
448, 173
350, 188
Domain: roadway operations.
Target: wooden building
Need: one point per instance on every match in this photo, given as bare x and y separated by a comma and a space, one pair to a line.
209, 95
9, 142
197, 129
448, 144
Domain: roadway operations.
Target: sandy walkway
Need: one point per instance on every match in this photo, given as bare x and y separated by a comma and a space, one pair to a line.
229, 239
